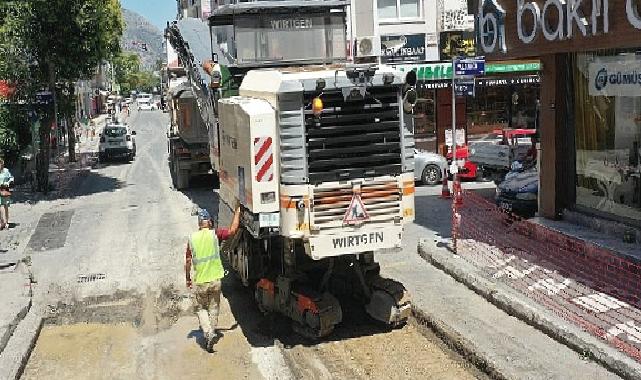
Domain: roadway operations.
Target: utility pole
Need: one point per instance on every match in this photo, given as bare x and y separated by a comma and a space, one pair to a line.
454, 167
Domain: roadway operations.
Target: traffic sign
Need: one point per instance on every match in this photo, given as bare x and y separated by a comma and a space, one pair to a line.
469, 67
356, 212
464, 87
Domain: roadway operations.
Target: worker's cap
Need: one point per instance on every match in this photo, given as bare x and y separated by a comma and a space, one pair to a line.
203, 215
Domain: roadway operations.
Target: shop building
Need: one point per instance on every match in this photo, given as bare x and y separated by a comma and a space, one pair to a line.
590, 103
506, 97
393, 31
197, 8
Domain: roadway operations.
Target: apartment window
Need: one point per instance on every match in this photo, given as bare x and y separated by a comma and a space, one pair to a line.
399, 9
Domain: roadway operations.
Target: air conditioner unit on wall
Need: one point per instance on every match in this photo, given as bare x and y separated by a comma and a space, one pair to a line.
368, 46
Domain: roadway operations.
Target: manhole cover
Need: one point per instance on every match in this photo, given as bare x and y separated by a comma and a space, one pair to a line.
84, 278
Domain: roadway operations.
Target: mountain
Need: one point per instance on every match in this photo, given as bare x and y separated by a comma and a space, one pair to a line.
143, 38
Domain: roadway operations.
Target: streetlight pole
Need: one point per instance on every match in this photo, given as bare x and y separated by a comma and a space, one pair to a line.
454, 166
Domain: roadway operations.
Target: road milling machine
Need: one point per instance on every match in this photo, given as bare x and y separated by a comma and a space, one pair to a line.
318, 152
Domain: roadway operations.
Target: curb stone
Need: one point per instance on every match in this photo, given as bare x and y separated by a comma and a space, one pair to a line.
507, 300
457, 342
15, 356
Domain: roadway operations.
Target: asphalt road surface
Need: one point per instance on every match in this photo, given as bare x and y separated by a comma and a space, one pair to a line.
112, 284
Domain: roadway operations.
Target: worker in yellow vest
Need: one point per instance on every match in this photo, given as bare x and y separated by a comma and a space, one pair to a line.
203, 254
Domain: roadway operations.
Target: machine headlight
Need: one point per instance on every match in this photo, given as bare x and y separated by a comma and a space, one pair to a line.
317, 106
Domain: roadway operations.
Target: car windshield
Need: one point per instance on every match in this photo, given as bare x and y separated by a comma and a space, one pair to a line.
115, 132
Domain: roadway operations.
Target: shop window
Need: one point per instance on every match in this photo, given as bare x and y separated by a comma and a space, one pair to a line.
425, 120
607, 136
399, 9
499, 106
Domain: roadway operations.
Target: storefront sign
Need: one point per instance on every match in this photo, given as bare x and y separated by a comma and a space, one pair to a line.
523, 27
439, 71
403, 48
483, 82
457, 44
464, 87
530, 79
622, 78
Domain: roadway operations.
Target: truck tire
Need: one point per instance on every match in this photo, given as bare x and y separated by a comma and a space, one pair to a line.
431, 175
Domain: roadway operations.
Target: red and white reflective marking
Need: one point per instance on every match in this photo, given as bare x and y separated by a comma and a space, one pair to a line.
599, 302
263, 159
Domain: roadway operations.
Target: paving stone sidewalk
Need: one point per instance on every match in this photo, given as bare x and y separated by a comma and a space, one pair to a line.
24, 215
496, 341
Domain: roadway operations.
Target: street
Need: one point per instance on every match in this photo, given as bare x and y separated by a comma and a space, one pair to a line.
112, 287
238, 190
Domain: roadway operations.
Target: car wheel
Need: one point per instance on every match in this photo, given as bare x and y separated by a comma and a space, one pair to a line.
431, 175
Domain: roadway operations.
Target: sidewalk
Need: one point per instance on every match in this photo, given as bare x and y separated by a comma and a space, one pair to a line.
501, 345
19, 325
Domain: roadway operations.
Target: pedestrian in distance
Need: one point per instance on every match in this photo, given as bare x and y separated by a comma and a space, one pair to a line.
6, 182
203, 256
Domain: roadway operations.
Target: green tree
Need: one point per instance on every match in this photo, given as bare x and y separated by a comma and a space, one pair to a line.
126, 66
53, 44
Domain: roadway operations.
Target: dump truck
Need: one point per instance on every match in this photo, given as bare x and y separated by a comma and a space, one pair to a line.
187, 137
319, 154
188, 129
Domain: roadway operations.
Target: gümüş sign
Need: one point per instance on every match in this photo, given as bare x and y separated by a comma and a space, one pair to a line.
615, 78
554, 20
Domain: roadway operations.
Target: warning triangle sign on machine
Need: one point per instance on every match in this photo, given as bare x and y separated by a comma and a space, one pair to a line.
356, 212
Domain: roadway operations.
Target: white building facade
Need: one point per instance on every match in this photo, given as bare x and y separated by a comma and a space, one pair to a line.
195, 8
404, 31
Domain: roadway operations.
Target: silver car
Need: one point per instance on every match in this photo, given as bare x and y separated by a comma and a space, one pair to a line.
429, 167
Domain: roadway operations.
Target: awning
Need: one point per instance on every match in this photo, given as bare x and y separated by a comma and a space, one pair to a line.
486, 81
443, 70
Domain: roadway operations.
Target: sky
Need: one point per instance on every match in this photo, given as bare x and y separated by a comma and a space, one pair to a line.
158, 12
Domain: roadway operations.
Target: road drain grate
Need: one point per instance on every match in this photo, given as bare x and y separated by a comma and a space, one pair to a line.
85, 278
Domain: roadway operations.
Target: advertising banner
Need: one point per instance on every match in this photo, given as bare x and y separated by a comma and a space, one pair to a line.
457, 44
615, 78
403, 48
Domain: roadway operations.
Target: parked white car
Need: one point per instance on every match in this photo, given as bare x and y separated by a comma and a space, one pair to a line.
146, 105
117, 140
429, 167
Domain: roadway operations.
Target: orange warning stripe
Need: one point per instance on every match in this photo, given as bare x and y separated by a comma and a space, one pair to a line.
408, 188
290, 202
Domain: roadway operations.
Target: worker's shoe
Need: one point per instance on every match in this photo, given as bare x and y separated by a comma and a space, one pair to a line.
212, 339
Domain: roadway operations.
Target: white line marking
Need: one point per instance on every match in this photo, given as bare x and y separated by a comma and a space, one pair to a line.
599, 302
550, 285
513, 273
630, 328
